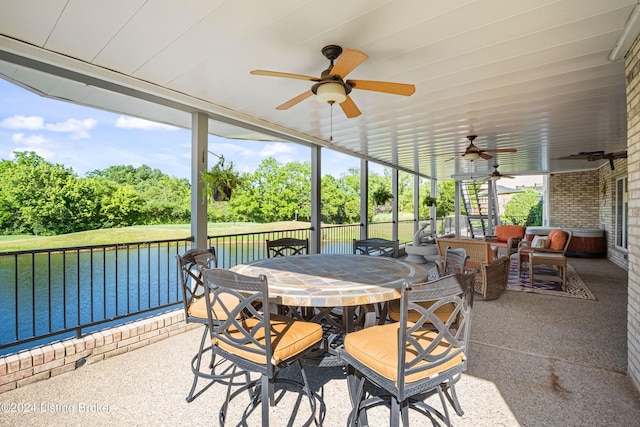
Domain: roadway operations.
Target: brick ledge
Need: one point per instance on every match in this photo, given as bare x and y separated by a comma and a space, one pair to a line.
41, 363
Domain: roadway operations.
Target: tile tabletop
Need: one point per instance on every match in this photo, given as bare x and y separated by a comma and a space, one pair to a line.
330, 280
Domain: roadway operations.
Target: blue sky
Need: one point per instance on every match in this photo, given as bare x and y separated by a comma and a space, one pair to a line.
86, 139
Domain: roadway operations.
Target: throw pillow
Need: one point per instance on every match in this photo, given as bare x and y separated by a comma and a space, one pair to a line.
540, 242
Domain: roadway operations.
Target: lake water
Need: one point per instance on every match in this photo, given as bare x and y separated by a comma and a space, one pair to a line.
58, 291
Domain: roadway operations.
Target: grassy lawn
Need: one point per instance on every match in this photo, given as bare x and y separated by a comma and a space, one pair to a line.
141, 233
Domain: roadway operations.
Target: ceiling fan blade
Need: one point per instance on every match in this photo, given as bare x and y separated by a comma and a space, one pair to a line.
285, 75
485, 156
349, 108
290, 103
386, 87
573, 157
499, 150
347, 62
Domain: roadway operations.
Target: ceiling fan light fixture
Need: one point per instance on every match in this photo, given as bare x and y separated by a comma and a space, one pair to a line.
330, 93
471, 156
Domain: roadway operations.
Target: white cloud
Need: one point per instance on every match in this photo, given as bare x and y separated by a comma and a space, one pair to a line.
77, 128
277, 149
36, 143
23, 122
126, 122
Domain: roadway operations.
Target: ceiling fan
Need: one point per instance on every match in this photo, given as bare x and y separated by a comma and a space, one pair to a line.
596, 155
497, 175
331, 87
472, 152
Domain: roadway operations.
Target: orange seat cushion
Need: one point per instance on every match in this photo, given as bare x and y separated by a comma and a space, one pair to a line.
289, 338
505, 232
377, 348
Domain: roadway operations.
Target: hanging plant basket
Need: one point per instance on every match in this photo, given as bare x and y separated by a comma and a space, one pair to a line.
381, 196
430, 201
220, 181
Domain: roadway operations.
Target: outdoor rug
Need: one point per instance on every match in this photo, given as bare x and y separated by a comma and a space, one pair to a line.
575, 286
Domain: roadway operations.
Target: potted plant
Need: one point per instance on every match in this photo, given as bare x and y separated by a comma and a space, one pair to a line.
381, 196
430, 201
220, 181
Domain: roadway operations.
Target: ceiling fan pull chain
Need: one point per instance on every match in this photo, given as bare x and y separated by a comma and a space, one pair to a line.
331, 122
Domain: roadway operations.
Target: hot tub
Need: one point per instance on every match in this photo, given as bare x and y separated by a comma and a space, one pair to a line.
585, 242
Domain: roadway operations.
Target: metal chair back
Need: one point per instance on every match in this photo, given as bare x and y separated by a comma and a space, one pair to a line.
190, 265
287, 246
376, 247
429, 352
244, 331
455, 261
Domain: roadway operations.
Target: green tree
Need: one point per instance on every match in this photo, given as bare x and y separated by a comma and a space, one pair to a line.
446, 198
140, 177
167, 201
162, 199
41, 198
520, 209
122, 207
274, 192
340, 201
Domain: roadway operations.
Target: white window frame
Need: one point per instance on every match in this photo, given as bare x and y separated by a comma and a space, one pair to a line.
621, 213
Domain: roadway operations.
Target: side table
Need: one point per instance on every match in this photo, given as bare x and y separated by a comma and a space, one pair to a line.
547, 258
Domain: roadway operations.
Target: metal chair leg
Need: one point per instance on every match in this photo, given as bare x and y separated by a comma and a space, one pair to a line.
205, 334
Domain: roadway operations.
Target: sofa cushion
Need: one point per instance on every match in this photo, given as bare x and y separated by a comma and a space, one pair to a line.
506, 231
558, 240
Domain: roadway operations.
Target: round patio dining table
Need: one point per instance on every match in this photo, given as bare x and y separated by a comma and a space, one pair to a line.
334, 280
325, 282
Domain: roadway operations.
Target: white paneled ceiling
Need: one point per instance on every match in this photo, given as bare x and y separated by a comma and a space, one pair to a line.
531, 75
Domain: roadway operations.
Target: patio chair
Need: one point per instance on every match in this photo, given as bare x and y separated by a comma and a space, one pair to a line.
455, 261
406, 361
287, 246
557, 241
376, 247
492, 274
190, 265
507, 236
240, 335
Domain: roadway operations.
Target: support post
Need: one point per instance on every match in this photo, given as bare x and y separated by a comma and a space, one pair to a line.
316, 223
364, 198
416, 203
432, 209
199, 145
490, 207
456, 208
395, 216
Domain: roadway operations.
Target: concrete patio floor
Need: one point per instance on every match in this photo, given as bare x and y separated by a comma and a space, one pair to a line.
535, 360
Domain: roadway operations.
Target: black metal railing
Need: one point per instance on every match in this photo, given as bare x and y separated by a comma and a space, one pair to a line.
234, 249
64, 291
50, 294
